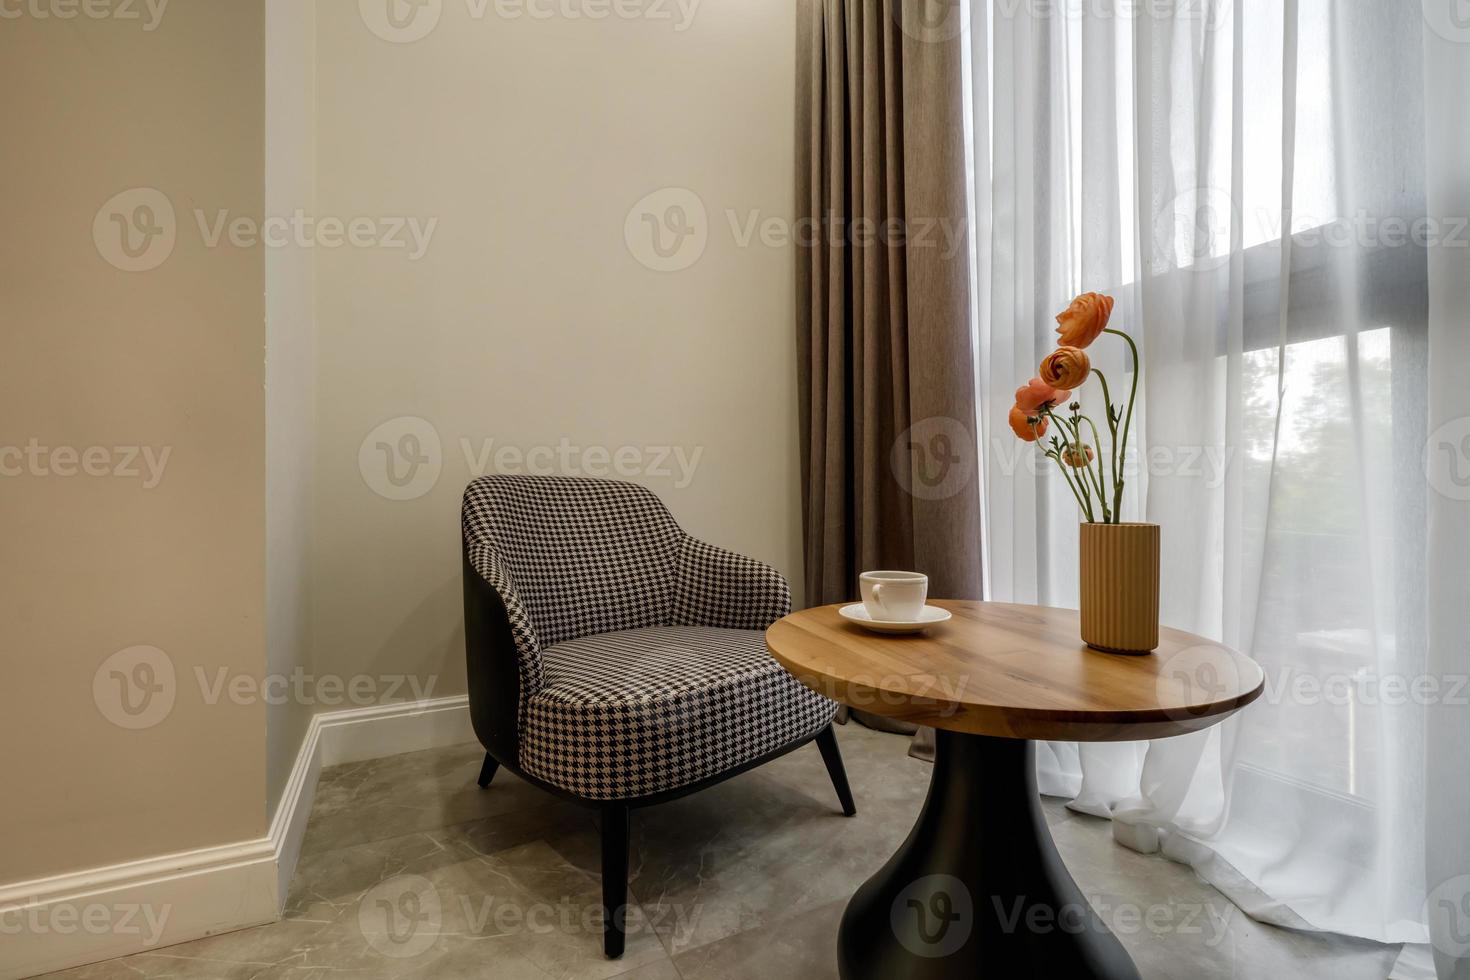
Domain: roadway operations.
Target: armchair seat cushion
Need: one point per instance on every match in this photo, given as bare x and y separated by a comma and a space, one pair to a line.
633, 713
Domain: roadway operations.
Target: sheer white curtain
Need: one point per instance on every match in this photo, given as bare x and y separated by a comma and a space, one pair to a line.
1447, 124
1248, 179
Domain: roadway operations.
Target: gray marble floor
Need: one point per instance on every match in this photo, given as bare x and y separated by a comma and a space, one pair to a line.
409, 870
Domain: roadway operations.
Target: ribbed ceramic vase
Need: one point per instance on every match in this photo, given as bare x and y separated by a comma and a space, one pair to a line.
1120, 587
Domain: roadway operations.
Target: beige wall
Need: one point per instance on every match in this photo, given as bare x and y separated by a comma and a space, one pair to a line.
290, 375
529, 319
535, 319
169, 359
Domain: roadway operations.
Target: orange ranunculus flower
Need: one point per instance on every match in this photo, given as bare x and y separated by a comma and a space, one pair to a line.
1037, 394
1027, 425
1078, 456
1081, 323
1065, 368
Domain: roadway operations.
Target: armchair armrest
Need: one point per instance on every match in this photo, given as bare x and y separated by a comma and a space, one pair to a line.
715, 587
486, 563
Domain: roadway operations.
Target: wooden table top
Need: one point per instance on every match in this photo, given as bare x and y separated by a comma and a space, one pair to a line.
1016, 671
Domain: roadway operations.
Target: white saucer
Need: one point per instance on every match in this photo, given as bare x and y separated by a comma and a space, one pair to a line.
858, 613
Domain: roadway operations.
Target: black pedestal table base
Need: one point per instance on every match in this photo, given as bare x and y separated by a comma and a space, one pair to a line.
978, 889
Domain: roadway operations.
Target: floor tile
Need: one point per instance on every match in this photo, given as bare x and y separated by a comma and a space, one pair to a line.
381, 798
409, 870
801, 945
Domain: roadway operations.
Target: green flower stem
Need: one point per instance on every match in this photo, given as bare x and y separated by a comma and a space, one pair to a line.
1085, 496
1112, 430
1108, 517
1128, 422
1080, 453
1070, 486
1066, 441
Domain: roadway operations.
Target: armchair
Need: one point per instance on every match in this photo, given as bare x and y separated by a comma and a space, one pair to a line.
618, 662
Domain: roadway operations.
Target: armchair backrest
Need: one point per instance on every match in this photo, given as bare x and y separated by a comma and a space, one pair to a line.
585, 556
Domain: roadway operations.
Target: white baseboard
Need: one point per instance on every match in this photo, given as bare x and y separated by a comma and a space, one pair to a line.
54, 923
69, 920
390, 729
355, 735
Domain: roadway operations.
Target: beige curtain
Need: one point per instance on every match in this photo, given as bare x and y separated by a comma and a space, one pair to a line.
888, 447
886, 363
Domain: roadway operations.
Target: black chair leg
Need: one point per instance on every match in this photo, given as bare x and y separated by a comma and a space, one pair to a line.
832, 755
487, 771
614, 878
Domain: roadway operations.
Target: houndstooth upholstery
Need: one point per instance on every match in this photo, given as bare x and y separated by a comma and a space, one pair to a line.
715, 587
588, 556
633, 713
640, 662
487, 562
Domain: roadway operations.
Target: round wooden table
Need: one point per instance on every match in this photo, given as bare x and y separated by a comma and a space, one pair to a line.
978, 888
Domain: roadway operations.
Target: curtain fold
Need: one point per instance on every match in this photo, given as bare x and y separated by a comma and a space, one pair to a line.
885, 368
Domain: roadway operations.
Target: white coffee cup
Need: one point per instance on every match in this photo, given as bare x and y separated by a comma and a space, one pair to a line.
894, 597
